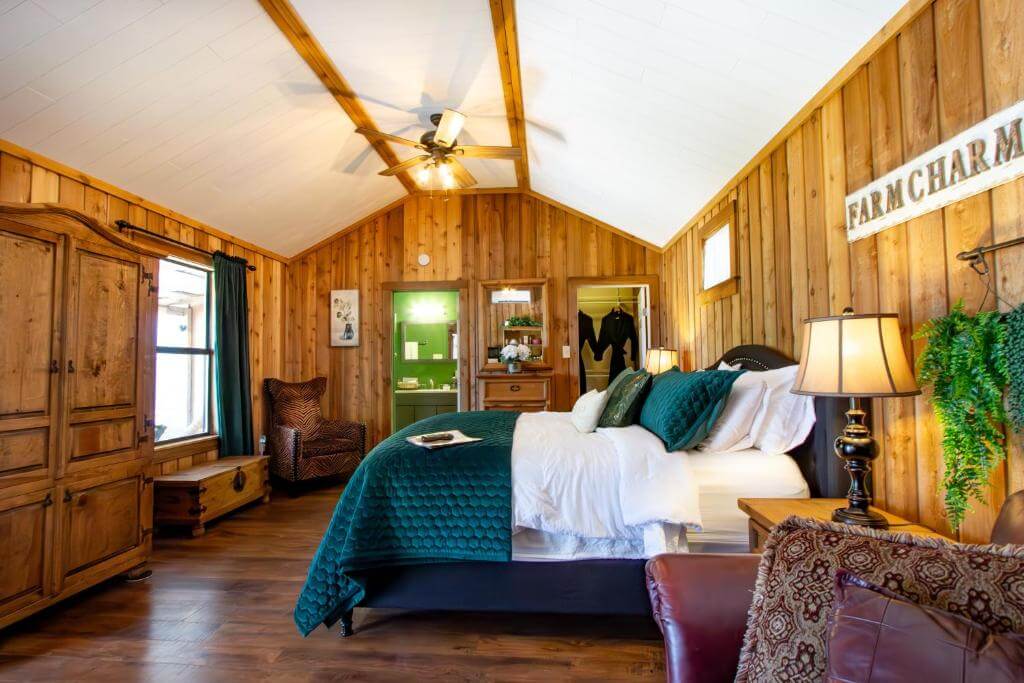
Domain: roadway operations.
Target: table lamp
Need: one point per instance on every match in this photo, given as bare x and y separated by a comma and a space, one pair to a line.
660, 359
855, 356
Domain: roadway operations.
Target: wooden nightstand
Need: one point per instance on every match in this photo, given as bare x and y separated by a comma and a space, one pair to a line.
765, 513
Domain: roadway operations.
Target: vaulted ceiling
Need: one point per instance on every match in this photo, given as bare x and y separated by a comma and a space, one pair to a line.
635, 112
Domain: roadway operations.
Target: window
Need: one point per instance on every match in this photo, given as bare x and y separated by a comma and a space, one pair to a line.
718, 275
184, 352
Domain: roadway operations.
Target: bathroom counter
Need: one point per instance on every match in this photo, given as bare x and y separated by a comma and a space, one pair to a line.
426, 391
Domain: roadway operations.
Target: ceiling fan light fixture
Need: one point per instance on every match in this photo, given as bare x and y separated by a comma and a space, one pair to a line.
447, 177
423, 175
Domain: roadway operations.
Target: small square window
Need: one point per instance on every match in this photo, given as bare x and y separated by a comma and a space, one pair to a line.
717, 256
717, 266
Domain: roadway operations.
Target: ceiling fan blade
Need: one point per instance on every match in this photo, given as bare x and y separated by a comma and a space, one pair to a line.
405, 165
388, 137
461, 174
449, 128
489, 152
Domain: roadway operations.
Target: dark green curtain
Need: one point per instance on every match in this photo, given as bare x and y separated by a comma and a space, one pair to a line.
231, 355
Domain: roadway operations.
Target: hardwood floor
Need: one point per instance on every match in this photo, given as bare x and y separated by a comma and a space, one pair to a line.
218, 608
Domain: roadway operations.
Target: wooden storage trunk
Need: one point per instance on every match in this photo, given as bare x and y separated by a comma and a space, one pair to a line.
199, 494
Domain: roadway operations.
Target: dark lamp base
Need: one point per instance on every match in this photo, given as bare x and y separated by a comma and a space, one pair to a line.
868, 518
857, 449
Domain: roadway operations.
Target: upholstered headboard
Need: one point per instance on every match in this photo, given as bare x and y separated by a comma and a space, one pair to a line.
815, 457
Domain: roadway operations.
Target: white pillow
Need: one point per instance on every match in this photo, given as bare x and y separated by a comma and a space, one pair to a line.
731, 431
588, 409
785, 418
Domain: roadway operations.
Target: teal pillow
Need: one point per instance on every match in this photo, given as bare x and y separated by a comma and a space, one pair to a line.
683, 406
625, 398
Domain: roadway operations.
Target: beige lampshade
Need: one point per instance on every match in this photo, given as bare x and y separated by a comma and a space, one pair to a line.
859, 356
660, 359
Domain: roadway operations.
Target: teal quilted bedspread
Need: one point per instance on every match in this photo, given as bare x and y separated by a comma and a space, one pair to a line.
408, 505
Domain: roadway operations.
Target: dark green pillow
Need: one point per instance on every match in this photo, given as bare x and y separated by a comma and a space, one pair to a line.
625, 398
683, 406
617, 381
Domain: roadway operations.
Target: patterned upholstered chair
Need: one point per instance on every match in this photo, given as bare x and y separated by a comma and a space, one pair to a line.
302, 444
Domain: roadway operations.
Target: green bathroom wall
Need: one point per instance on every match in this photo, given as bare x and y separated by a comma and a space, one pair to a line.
420, 308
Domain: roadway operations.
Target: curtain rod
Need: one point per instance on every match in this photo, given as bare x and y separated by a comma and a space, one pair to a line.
124, 226
975, 254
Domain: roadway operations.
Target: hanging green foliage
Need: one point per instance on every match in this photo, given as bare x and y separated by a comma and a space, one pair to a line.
965, 362
1015, 365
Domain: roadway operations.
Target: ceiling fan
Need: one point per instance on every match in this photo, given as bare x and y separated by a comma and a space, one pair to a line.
440, 151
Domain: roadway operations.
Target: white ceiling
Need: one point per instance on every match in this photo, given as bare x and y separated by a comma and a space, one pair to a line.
191, 104
659, 103
407, 60
637, 111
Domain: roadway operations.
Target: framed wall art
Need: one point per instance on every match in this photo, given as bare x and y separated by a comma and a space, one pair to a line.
344, 317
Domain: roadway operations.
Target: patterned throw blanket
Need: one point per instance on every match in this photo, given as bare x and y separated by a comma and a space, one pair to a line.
410, 505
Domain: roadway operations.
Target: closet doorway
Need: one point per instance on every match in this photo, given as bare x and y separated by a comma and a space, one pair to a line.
612, 322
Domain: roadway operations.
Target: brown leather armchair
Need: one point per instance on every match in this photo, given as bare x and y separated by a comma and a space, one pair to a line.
700, 603
303, 445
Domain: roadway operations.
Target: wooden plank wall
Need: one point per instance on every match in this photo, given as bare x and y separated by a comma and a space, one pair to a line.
951, 66
469, 237
33, 180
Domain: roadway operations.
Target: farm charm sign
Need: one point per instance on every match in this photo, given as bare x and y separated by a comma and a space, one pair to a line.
981, 157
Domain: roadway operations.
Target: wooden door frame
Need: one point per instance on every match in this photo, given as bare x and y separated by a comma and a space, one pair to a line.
464, 361
652, 282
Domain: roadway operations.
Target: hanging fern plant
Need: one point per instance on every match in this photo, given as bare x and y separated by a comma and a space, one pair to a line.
1015, 365
965, 362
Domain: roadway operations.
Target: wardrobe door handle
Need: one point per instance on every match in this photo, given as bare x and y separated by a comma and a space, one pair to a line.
71, 365
54, 366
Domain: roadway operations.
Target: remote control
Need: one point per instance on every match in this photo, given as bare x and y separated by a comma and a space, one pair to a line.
438, 436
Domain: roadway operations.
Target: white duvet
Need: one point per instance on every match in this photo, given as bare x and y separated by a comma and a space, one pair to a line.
610, 484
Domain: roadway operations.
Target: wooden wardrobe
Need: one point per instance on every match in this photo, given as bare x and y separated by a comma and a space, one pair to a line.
77, 332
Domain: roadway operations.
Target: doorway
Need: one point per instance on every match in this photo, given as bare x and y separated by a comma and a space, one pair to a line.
610, 325
426, 354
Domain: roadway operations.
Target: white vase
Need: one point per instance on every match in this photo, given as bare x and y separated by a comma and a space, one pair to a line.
515, 366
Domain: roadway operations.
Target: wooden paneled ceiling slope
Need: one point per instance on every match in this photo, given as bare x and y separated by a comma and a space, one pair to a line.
242, 113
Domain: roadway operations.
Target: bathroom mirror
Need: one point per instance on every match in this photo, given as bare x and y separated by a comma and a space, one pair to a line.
433, 342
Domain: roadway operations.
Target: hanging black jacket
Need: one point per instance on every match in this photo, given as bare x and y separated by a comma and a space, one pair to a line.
617, 328
586, 336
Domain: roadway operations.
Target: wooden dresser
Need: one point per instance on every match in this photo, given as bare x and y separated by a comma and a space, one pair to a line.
78, 313
527, 392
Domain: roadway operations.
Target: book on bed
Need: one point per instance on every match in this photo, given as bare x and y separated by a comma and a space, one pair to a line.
434, 440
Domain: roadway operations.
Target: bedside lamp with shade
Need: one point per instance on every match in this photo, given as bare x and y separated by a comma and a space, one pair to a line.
660, 360
855, 356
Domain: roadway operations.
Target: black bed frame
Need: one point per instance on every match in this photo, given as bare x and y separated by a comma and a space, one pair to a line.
605, 587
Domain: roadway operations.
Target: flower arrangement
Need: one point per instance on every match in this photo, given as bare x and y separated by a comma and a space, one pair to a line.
515, 353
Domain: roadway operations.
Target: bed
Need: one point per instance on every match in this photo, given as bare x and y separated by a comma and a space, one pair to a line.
556, 572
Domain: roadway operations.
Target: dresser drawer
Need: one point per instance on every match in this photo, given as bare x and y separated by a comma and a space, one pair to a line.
515, 391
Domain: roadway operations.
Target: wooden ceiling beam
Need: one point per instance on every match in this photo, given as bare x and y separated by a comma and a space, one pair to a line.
506, 38
298, 34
